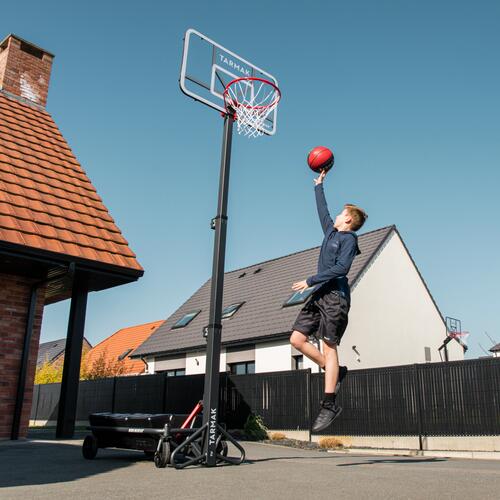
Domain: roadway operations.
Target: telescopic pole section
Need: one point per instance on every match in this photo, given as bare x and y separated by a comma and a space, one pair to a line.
211, 391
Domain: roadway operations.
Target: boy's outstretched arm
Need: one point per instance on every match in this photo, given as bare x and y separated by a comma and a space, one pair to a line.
324, 215
348, 250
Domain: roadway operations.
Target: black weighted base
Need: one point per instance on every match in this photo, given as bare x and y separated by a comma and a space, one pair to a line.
192, 449
158, 434
154, 434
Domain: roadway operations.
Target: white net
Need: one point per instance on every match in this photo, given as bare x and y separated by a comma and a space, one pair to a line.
252, 100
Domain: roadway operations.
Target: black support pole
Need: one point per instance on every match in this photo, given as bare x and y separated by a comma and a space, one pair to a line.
211, 390
72, 357
21, 381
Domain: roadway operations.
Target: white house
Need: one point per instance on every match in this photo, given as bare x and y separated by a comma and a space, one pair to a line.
394, 319
496, 351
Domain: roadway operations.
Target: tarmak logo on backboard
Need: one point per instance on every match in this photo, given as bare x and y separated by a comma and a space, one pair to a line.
234, 65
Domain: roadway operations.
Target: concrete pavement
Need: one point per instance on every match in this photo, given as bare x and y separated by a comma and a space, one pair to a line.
56, 470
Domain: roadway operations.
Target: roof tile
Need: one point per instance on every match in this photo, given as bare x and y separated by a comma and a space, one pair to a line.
12, 236
46, 200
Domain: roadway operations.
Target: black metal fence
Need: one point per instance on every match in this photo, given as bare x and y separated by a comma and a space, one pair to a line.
457, 398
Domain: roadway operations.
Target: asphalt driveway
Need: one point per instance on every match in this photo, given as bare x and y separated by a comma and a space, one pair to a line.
56, 470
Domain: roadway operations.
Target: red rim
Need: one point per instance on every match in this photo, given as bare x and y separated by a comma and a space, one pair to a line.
254, 78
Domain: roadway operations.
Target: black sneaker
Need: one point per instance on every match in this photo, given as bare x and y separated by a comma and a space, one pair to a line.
342, 374
328, 413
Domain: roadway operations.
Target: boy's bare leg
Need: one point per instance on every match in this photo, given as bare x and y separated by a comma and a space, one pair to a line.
329, 411
331, 367
299, 341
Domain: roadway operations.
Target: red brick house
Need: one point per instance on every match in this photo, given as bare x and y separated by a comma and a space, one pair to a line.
57, 239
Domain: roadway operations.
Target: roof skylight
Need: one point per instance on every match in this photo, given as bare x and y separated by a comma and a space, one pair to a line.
231, 310
186, 319
299, 297
124, 354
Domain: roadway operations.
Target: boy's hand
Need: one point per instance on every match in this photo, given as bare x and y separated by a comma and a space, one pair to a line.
319, 180
300, 286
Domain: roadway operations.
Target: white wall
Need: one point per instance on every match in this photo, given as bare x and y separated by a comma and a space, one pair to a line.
270, 356
455, 351
273, 357
277, 357
195, 362
392, 316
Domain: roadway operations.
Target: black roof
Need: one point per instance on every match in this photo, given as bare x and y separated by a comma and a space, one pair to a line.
49, 351
495, 348
263, 293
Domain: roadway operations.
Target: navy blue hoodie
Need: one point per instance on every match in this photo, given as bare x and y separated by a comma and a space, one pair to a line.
337, 250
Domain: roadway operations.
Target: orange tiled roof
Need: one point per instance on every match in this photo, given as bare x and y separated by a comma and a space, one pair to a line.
120, 342
47, 201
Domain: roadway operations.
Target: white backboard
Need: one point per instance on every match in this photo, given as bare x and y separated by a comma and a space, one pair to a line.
208, 67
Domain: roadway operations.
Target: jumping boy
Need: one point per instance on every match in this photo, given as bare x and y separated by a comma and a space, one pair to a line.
325, 314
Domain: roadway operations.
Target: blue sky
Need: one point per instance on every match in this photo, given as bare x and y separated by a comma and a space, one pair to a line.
405, 92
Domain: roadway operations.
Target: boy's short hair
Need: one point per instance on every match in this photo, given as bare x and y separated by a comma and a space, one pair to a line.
358, 216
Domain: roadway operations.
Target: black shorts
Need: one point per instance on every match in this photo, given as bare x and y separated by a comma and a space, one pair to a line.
324, 315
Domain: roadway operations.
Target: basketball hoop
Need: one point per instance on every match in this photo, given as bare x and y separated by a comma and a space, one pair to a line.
460, 336
251, 100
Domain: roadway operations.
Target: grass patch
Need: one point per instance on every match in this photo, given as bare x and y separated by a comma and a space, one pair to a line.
276, 436
329, 443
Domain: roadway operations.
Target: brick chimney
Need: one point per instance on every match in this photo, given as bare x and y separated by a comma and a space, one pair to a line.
25, 69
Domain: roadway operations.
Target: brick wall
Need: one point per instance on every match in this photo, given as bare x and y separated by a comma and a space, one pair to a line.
14, 303
25, 70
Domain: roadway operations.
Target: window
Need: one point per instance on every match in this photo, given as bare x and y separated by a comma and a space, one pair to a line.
427, 351
186, 319
243, 368
299, 297
174, 373
124, 354
231, 310
297, 362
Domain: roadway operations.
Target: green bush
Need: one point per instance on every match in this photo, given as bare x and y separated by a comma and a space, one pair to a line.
254, 427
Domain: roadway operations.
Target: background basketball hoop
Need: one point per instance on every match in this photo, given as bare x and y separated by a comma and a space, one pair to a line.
460, 336
453, 332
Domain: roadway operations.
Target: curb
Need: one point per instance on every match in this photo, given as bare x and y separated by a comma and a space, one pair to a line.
482, 455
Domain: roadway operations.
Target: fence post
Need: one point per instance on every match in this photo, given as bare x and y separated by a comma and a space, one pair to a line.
418, 396
309, 400
113, 398
164, 396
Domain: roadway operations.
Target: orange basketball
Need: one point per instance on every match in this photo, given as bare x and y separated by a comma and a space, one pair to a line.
320, 158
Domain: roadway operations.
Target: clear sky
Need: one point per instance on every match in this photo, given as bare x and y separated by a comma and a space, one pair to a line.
405, 92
